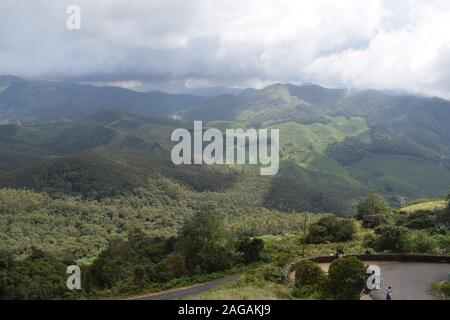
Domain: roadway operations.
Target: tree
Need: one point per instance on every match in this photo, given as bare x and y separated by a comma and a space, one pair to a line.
251, 249
393, 238
308, 273
373, 220
346, 278
205, 244
373, 204
331, 229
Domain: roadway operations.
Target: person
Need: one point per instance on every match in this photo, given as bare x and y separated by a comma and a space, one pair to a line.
389, 293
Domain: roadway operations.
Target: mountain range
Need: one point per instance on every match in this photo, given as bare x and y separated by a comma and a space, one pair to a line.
336, 144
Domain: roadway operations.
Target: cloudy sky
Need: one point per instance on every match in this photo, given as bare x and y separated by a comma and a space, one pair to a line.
171, 44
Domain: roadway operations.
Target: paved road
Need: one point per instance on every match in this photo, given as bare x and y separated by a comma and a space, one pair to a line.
189, 291
410, 281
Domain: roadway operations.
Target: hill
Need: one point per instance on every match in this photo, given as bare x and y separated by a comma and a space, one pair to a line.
52, 100
398, 145
336, 144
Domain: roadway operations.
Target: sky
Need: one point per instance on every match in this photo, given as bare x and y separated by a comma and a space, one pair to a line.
172, 45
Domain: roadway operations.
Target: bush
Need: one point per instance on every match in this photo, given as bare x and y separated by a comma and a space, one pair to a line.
423, 243
441, 289
40, 278
444, 217
373, 204
346, 279
271, 273
370, 241
393, 238
250, 249
373, 220
331, 229
308, 273
443, 241
421, 219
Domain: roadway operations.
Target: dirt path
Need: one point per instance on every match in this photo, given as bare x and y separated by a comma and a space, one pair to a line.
179, 293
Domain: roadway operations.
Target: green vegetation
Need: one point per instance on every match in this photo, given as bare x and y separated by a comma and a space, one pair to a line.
441, 289
331, 229
424, 205
372, 205
205, 244
309, 277
346, 278
38, 277
250, 249
392, 238
102, 192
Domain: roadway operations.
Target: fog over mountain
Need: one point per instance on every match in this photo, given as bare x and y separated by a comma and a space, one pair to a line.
174, 44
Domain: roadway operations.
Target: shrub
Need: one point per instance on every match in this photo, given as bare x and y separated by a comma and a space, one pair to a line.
441, 289
331, 229
443, 243
373, 204
371, 241
373, 220
423, 243
444, 217
271, 273
308, 273
421, 219
346, 279
250, 249
393, 238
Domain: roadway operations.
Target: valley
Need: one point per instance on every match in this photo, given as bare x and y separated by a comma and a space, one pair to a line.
86, 177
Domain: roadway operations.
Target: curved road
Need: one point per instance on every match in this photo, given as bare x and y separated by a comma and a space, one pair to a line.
188, 291
410, 281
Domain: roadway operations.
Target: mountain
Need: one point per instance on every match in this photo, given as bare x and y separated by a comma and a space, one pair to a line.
335, 145
398, 145
211, 91
52, 100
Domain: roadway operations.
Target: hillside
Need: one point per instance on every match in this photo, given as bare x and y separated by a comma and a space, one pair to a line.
100, 189
52, 100
398, 145
336, 145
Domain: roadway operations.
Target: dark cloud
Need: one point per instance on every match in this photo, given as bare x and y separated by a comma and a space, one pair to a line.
376, 43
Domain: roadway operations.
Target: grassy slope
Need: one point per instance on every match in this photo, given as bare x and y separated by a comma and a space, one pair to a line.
427, 205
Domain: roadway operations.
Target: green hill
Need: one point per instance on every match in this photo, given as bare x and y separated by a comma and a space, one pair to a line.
51, 100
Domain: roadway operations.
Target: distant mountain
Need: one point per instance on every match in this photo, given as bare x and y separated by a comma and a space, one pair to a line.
50, 100
335, 144
212, 91
355, 140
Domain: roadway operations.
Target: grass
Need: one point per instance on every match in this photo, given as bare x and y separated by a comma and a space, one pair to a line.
402, 175
441, 289
247, 290
427, 205
264, 282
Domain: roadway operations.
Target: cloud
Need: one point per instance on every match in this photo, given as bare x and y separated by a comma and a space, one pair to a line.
382, 44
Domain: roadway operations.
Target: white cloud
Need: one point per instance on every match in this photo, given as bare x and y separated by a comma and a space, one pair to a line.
387, 44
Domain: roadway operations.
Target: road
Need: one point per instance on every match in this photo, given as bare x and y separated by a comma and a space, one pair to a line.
188, 291
410, 281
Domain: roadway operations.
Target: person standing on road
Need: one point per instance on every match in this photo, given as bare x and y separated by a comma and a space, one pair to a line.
389, 293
